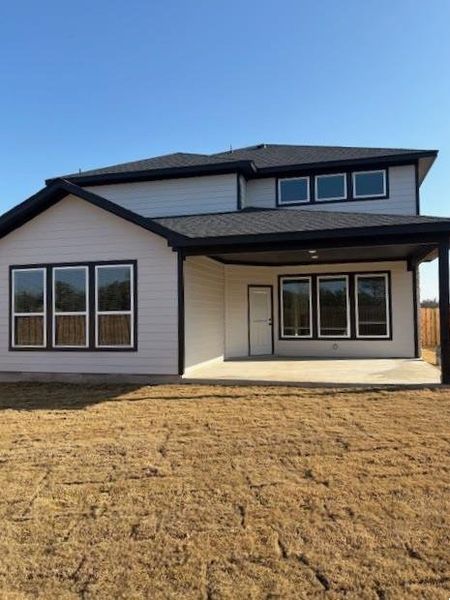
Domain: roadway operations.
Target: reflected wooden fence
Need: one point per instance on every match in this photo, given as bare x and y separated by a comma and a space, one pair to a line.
429, 318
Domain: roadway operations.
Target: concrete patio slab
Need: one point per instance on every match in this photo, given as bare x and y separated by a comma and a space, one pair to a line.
270, 369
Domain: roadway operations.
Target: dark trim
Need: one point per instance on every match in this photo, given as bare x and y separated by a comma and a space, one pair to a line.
59, 189
444, 309
238, 166
421, 233
238, 192
255, 285
415, 291
48, 267
245, 167
181, 313
352, 306
416, 175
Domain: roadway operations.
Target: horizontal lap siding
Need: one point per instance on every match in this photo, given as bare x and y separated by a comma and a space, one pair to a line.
75, 231
402, 196
184, 196
402, 345
204, 306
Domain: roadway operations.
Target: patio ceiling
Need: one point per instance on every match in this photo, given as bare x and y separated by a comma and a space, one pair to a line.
414, 252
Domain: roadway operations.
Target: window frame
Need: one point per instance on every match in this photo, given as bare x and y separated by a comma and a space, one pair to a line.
387, 299
280, 202
48, 305
334, 198
98, 313
284, 278
84, 314
15, 314
369, 196
348, 314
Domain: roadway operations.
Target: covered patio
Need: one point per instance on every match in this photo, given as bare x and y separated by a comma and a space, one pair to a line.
256, 251
282, 370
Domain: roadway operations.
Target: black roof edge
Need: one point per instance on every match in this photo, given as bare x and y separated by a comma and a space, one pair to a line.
58, 189
399, 159
246, 167
439, 228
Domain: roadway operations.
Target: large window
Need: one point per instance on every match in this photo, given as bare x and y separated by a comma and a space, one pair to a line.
369, 184
331, 187
372, 305
90, 307
342, 305
293, 191
70, 308
28, 308
333, 311
114, 315
296, 307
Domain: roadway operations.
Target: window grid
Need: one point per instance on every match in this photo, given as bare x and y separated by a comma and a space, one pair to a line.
84, 313
347, 307
309, 280
15, 314
386, 299
99, 313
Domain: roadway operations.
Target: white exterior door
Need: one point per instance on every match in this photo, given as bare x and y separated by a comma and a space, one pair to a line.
260, 319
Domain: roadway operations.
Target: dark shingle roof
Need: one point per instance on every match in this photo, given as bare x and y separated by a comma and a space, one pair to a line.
281, 221
260, 157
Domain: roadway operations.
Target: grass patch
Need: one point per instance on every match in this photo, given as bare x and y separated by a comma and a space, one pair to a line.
223, 492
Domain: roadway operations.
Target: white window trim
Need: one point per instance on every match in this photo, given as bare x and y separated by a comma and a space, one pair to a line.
355, 173
15, 314
296, 337
347, 295
115, 312
317, 177
84, 313
308, 187
386, 298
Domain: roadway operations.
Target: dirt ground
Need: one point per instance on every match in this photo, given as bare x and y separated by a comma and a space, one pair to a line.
223, 493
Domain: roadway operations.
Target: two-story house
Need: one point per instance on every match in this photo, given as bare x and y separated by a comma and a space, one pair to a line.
157, 266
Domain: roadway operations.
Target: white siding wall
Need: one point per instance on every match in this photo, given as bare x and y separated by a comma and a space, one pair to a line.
402, 196
184, 196
204, 310
75, 231
237, 278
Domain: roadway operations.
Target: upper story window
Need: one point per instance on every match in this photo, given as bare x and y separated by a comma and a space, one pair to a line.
331, 187
369, 184
294, 190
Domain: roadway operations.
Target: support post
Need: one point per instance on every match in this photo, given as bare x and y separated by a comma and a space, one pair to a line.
181, 342
444, 310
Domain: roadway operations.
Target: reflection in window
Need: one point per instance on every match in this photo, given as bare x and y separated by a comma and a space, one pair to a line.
114, 314
296, 307
333, 306
70, 324
29, 298
371, 306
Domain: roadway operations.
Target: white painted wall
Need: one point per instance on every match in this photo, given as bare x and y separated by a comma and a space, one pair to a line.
184, 196
75, 231
402, 196
204, 310
237, 278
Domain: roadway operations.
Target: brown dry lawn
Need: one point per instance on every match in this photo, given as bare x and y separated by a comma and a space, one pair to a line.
223, 493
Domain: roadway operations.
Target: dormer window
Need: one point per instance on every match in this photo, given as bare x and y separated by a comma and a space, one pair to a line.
369, 184
294, 190
331, 187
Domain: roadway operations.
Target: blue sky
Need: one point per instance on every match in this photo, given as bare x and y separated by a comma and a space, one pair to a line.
93, 83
